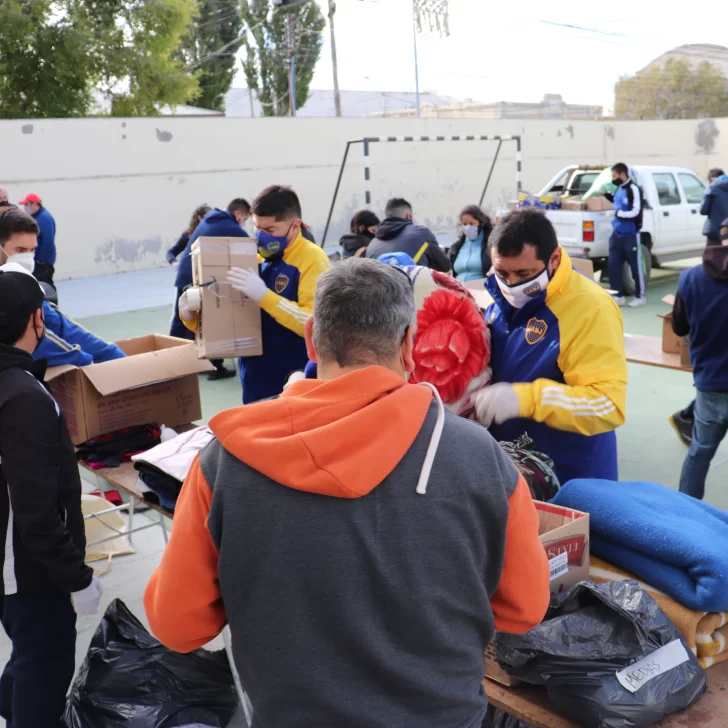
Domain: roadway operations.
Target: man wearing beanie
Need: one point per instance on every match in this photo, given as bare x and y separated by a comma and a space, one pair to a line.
45, 581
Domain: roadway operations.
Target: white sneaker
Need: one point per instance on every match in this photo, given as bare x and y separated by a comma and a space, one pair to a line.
638, 302
620, 300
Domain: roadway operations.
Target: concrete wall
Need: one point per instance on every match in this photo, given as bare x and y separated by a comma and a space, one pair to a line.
123, 190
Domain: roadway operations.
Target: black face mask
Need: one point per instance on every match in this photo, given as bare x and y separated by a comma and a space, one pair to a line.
366, 233
39, 337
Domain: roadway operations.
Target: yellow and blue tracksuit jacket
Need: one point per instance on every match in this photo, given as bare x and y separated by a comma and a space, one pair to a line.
285, 309
564, 353
67, 342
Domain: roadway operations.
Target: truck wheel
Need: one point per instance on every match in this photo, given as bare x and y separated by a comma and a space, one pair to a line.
629, 286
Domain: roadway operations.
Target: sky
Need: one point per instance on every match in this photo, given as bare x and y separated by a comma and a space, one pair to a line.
515, 51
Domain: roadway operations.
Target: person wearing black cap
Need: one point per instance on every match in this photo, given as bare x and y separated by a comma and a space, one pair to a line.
45, 581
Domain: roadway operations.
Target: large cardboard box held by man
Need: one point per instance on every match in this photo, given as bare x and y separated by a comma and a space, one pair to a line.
157, 382
564, 534
229, 324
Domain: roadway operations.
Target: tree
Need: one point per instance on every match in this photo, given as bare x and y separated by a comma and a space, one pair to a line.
55, 53
138, 62
675, 90
45, 62
211, 47
266, 46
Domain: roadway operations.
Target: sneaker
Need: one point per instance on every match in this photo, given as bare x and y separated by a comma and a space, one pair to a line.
683, 427
221, 373
637, 302
620, 300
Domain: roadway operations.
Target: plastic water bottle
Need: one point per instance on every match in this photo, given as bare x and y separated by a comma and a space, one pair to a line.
167, 433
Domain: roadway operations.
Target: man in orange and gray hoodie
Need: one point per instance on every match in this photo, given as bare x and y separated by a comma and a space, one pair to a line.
362, 542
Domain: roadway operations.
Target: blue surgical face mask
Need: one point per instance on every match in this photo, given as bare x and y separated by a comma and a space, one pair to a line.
271, 245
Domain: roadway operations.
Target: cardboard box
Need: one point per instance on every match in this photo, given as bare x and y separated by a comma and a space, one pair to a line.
670, 340
685, 360
157, 382
564, 534
573, 203
598, 204
585, 266
229, 324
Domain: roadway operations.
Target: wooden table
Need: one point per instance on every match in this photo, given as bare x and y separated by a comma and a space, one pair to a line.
530, 704
648, 350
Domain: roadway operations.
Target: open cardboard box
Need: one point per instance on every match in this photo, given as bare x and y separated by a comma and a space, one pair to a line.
564, 534
229, 323
157, 382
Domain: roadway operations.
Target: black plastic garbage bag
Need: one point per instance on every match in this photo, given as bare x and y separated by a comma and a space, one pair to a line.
130, 680
497, 718
590, 635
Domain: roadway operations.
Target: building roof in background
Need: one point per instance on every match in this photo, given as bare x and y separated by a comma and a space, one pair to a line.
552, 106
320, 102
696, 53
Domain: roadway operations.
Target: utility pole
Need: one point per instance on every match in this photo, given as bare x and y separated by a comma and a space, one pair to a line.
334, 62
417, 67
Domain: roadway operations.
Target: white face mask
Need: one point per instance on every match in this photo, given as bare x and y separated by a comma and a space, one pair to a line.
471, 231
521, 293
26, 260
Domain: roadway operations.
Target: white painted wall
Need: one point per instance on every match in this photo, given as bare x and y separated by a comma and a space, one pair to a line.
122, 190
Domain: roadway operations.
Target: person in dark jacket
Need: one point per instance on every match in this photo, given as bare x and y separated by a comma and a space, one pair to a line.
470, 256
362, 575
398, 234
715, 205
46, 250
178, 248
683, 421
362, 229
216, 224
701, 311
45, 581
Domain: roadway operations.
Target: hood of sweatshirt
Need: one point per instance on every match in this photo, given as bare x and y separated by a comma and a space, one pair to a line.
353, 242
715, 261
338, 438
220, 223
391, 227
13, 358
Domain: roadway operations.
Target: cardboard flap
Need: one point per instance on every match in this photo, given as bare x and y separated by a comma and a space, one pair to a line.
55, 372
143, 369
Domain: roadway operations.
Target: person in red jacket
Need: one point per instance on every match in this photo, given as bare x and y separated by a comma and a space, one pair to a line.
362, 542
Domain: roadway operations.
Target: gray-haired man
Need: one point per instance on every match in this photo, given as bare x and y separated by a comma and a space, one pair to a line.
362, 542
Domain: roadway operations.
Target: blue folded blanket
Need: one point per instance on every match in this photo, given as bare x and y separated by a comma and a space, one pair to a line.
670, 540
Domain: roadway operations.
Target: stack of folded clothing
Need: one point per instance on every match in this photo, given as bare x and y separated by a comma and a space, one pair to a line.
163, 469
115, 448
705, 632
672, 541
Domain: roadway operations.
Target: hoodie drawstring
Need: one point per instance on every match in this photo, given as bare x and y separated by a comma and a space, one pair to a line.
434, 442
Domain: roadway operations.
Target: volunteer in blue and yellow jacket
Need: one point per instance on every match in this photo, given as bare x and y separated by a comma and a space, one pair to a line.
66, 342
289, 269
559, 367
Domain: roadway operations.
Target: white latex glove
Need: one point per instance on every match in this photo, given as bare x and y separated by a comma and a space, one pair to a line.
185, 312
496, 403
87, 600
295, 377
248, 282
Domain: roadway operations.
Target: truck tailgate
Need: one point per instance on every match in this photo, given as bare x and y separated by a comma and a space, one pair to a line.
568, 226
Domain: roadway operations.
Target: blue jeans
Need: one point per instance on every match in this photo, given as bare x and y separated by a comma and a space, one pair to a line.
711, 425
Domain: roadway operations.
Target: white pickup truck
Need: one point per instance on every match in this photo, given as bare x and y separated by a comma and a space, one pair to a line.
672, 226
